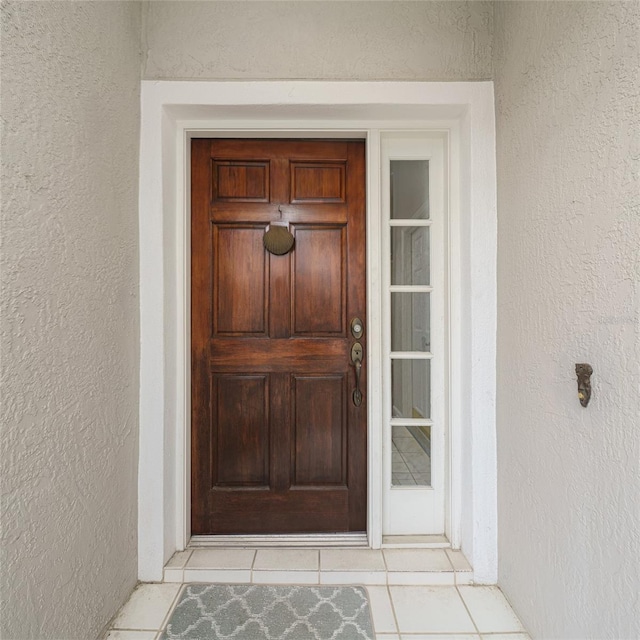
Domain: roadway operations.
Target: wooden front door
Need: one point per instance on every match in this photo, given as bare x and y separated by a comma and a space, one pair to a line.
278, 442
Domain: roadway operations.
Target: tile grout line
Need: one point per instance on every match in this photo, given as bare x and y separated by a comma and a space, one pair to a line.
393, 611
253, 564
473, 622
386, 568
172, 607
186, 562
184, 566
455, 573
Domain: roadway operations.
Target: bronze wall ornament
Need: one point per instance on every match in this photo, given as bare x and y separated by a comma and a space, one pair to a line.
278, 239
584, 371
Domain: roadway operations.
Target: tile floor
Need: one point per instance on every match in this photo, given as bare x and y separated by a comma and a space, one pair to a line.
433, 567
438, 604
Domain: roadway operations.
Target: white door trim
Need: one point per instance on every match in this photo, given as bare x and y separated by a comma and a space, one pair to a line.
172, 110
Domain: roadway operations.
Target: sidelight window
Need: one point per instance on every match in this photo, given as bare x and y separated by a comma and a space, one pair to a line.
409, 293
414, 198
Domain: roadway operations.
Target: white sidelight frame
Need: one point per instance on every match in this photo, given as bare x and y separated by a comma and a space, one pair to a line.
416, 510
171, 113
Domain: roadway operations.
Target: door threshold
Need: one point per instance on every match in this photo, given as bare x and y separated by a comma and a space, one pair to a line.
415, 542
282, 540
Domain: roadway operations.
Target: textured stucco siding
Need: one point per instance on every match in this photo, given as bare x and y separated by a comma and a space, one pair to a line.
318, 40
69, 333
568, 152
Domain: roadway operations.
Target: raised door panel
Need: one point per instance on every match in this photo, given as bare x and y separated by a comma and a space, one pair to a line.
240, 451
240, 281
320, 438
317, 182
318, 282
238, 181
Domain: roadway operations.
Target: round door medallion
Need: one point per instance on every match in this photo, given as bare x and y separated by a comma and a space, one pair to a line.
278, 240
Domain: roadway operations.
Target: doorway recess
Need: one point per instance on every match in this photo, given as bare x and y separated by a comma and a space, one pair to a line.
175, 112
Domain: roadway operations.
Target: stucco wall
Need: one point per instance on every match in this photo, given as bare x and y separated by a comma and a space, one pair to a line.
318, 40
568, 123
69, 334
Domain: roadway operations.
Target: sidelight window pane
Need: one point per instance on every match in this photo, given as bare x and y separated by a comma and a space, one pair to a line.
410, 256
410, 322
411, 388
410, 189
411, 456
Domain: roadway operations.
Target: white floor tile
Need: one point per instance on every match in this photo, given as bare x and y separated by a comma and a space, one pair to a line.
221, 559
351, 560
285, 577
147, 607
173, 575
464, 578
287, 559
430, 610
353, 577
417, 560
490, 610
387, 636
506, 636
381, 610
120, 634
179, 559
431, 578
458, 560
235, 576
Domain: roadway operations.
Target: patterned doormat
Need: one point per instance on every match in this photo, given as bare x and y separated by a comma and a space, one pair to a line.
262, 612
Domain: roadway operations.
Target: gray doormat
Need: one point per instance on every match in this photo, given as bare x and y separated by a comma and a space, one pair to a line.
262, 612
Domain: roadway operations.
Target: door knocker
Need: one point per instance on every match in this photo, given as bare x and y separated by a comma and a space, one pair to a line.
277, 239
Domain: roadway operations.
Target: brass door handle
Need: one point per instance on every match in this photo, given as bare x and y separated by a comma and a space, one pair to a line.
356, 357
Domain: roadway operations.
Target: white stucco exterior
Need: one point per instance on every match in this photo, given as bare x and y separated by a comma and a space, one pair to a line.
69, 305
301, 40
568, 121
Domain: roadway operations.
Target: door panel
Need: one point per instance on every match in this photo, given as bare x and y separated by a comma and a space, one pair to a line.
241, 304
320, 430
316, 182
241, 446
240, 181
318, 281
278, 446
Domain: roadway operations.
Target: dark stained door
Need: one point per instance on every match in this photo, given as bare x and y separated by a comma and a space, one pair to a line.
278, 443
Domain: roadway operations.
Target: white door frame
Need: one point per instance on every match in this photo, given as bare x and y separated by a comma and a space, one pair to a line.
173, 111
412, 510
